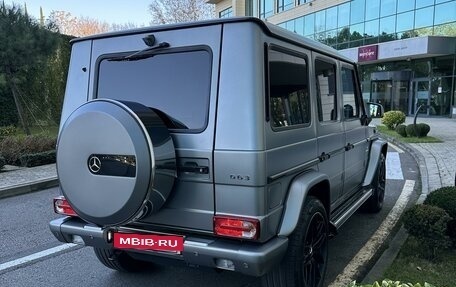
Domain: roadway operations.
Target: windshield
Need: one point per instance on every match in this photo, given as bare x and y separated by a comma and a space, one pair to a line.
177, 84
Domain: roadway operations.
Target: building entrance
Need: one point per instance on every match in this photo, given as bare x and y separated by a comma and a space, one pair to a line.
420, 96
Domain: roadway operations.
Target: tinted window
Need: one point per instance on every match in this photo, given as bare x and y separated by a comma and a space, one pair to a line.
349, 92
326, 90
177, 84
289, 92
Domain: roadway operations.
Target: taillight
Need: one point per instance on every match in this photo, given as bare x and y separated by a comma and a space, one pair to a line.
61, 206
237, 227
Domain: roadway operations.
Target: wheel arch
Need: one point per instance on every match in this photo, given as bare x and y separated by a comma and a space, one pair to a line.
310, 183
377, 148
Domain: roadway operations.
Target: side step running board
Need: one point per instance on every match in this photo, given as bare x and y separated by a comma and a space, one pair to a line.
336, 223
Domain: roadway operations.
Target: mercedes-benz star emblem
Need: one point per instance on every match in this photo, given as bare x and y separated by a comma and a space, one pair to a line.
94, 164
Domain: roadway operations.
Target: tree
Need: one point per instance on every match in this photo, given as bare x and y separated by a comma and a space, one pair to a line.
68, 24
170, 11
24, 47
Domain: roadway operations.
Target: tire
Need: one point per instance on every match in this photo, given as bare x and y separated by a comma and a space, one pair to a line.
305, 262
120, 260
375, 203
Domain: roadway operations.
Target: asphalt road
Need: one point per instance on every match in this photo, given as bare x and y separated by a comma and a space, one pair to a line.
24, 231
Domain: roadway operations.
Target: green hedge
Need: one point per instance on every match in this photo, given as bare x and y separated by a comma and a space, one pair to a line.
391, 283
421, 130
36, 159
2, 162
13, 147
428, 224
392, 119
445, 198
401, 129
7, 131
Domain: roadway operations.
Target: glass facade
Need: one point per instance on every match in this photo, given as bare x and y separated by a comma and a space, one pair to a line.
364, 22
406, 85
228, 12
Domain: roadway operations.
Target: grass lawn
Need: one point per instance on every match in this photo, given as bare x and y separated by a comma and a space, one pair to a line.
408, 267
391, 133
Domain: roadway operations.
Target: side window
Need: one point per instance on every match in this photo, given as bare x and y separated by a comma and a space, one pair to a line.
349, 97
288, 91
325, 74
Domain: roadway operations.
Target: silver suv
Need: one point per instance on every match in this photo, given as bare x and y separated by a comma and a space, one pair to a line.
232, 144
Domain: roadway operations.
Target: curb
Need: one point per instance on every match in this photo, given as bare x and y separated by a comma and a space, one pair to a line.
395, 244
29, 187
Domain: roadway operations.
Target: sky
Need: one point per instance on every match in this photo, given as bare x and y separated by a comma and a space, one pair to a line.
110, 11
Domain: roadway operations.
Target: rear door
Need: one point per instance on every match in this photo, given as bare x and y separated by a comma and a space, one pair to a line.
181, 82
329, 127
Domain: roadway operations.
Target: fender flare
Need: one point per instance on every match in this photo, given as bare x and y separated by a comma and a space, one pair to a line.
297, 194
378, 147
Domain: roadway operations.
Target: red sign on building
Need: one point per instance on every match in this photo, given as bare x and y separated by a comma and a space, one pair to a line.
367, 53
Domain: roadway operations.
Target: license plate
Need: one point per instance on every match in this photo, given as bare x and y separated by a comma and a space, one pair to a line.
167, 243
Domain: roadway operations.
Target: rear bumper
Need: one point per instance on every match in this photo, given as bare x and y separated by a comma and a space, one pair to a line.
248, 258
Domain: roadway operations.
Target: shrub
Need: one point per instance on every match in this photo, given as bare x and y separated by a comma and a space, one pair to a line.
7, 131
401, 129
428, 224
36, 159
2, 162
390, 283
421, 130
410, 129
445, 198
12, 148
393, 118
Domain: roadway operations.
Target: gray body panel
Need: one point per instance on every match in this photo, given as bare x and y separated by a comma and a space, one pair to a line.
243, 166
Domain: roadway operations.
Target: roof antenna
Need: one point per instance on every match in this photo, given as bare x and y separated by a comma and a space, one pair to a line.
149, 40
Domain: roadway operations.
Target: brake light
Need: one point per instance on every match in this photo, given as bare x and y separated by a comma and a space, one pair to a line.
244, 228
61, 206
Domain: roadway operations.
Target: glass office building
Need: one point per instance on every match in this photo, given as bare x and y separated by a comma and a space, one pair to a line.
406, 48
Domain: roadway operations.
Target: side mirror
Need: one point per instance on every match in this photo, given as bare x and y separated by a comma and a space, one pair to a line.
375, 110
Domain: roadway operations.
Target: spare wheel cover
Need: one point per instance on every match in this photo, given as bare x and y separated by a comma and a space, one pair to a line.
112, 159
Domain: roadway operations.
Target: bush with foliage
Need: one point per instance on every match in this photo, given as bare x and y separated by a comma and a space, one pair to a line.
2, 162
428, 224
392, 119
36, 159
12, 148
390, 283
401, 129
445, 198
7, 131
420, 131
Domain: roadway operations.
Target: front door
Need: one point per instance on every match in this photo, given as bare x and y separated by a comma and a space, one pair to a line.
420, 96
356, 146
382, 93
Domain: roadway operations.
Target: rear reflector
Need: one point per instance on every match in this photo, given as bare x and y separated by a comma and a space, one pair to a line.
236, 227
61, 206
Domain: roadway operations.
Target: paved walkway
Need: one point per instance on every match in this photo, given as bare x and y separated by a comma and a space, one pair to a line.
26, 180
438, 160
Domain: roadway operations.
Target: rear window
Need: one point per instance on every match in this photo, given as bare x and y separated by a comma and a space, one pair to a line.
176, 83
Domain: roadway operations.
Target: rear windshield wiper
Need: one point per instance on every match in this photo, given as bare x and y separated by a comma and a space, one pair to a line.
142, 54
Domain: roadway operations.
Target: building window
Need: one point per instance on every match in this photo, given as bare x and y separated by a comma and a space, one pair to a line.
266, 8
228, 12
442, 14
289, 90
325, 74
283, 5
424, 17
